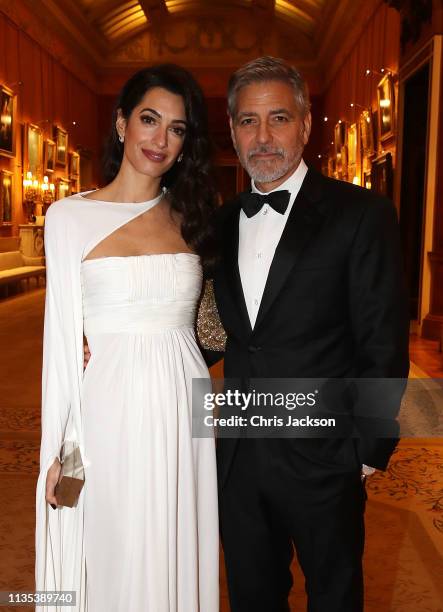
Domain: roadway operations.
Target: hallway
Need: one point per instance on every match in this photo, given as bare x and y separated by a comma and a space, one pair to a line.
404, 551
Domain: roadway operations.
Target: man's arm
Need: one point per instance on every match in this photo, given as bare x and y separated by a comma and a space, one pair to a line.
380, 323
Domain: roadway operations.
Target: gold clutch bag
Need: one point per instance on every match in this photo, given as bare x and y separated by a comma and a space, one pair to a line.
210, 332
72, 475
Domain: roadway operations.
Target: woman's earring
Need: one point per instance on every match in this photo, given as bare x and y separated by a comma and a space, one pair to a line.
121, 138
179, 158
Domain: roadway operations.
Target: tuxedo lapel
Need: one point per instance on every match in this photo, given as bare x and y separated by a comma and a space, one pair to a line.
232, 271
303, 221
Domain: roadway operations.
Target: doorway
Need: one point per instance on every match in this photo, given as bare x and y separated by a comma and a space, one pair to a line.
412, 194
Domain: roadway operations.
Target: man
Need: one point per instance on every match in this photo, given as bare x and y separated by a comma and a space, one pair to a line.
309, 285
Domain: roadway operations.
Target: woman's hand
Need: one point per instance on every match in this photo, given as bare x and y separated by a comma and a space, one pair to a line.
86, 355
51, 480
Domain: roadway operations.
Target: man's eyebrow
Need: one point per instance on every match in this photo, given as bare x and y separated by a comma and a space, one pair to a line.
276, 111
247, 114
281, 111
157, 114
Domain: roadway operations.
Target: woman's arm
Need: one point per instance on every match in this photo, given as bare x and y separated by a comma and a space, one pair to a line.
55, 378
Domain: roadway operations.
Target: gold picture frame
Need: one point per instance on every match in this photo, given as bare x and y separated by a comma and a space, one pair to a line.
6, 192
340, 136
353, 153
49, 156
61, 144
8, 113
74, 166
63, 188
367, 132
33, 152
386, 108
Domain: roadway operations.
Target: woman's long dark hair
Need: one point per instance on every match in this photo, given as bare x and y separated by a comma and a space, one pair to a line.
191, 190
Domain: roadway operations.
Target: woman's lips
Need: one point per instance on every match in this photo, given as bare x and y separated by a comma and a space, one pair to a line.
153, 156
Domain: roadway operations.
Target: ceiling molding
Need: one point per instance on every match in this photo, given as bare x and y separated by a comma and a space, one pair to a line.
155, 11
76, 26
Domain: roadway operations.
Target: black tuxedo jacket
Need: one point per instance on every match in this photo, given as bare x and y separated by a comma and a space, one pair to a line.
334, 306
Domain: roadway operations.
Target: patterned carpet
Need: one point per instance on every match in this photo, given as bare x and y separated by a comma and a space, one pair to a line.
404, 519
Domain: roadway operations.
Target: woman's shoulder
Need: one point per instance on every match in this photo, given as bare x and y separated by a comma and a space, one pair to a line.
65, 208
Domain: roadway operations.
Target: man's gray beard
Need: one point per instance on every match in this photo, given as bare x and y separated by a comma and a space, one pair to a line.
269, 175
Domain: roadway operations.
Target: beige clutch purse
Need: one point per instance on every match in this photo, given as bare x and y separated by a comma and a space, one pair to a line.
72, 475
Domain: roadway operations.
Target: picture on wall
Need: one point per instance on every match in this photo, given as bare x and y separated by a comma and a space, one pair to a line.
367, 179
7, 122
63, 188
75, 164
33, 148
5, 197
340, 136
49, 156
382, 179
353, 153
386, 110
61, 143
367, 132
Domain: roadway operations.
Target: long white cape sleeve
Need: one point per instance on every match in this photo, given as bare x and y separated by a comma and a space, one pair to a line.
59, 533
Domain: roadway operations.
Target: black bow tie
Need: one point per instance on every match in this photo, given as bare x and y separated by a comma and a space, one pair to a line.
252, 203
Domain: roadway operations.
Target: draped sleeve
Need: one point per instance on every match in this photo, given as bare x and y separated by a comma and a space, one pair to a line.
55, 380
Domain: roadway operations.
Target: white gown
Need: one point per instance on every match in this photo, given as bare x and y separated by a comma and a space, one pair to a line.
150, 509
143, 536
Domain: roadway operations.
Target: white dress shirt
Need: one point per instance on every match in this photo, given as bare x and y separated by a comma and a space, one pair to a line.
258, 238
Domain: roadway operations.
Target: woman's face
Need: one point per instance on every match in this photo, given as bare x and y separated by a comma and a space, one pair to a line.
155, 132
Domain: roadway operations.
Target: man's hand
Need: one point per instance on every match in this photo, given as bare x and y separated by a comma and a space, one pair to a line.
367, 470
86, 355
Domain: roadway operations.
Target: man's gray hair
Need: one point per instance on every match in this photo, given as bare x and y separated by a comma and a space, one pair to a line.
268, 68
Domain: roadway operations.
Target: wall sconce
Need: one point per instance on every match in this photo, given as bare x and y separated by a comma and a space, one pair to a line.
381, 73
47, 193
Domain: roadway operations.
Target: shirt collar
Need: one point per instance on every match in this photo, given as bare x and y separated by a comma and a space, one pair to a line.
292, 183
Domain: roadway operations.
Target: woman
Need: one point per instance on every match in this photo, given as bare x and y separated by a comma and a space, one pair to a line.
124, 268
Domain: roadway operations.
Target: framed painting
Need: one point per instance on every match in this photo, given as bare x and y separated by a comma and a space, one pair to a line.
386, 109
6, 197
382, 176
49, 164
340, 136
367, 132
61, 146
75, 185
7, 121
63, 188
344, 163
33, 148
75, 164
367, 179
353, 145
353, 153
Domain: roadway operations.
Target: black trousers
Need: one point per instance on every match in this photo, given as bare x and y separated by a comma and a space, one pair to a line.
268, 508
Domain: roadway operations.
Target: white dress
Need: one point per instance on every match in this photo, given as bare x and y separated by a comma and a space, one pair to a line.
143, 536
151, 526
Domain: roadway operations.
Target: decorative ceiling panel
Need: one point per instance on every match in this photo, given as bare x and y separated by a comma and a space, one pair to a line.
122, 20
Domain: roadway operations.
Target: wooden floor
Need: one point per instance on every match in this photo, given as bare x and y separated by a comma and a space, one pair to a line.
426, 354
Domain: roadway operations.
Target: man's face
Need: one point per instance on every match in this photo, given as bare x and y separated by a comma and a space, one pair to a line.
269, 132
